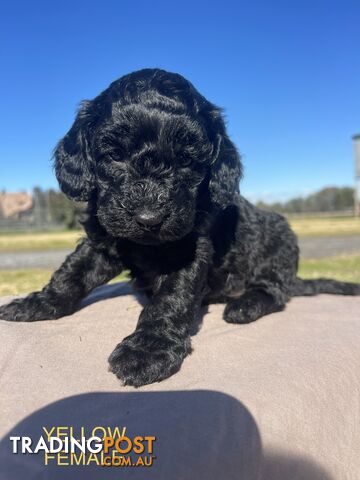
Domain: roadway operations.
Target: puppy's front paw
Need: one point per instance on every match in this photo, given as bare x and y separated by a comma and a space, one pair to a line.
35, 306
145, 357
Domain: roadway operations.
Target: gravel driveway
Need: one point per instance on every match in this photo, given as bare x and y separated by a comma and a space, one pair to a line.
21, 260
311, 247
319, 247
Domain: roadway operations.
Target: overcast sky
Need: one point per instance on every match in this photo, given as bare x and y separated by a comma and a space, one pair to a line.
286, 73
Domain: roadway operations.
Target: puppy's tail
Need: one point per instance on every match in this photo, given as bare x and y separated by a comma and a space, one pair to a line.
324, 285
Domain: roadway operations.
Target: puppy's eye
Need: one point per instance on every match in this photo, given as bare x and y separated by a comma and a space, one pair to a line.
117, 155
185, 161
116, 159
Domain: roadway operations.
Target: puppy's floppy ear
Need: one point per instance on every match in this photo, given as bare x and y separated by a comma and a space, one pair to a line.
226, 167
73, 162
225, 171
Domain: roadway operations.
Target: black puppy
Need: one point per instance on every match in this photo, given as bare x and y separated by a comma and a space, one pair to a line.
152, 158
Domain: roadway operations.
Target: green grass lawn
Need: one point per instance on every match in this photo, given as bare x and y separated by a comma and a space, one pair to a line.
14, 282
325, 226
345, 268
40, 241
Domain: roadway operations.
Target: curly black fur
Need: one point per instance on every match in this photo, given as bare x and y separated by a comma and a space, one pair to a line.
152, 159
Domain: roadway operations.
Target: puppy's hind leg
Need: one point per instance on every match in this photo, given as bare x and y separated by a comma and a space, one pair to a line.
253, 304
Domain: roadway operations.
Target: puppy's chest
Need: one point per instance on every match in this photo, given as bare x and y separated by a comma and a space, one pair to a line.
152, 262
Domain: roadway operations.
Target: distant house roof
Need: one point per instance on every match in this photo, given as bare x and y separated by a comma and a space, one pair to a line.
14, 203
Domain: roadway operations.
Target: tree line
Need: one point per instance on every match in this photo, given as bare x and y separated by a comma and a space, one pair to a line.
328, 199
53, 206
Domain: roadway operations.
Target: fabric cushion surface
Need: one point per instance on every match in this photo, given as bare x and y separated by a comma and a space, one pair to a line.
277, 399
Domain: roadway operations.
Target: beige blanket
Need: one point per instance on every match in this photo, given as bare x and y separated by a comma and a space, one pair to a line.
278, 399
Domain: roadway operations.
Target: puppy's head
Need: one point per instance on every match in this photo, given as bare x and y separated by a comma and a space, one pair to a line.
147, 165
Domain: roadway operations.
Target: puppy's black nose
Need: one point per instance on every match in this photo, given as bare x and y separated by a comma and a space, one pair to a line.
147, 218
